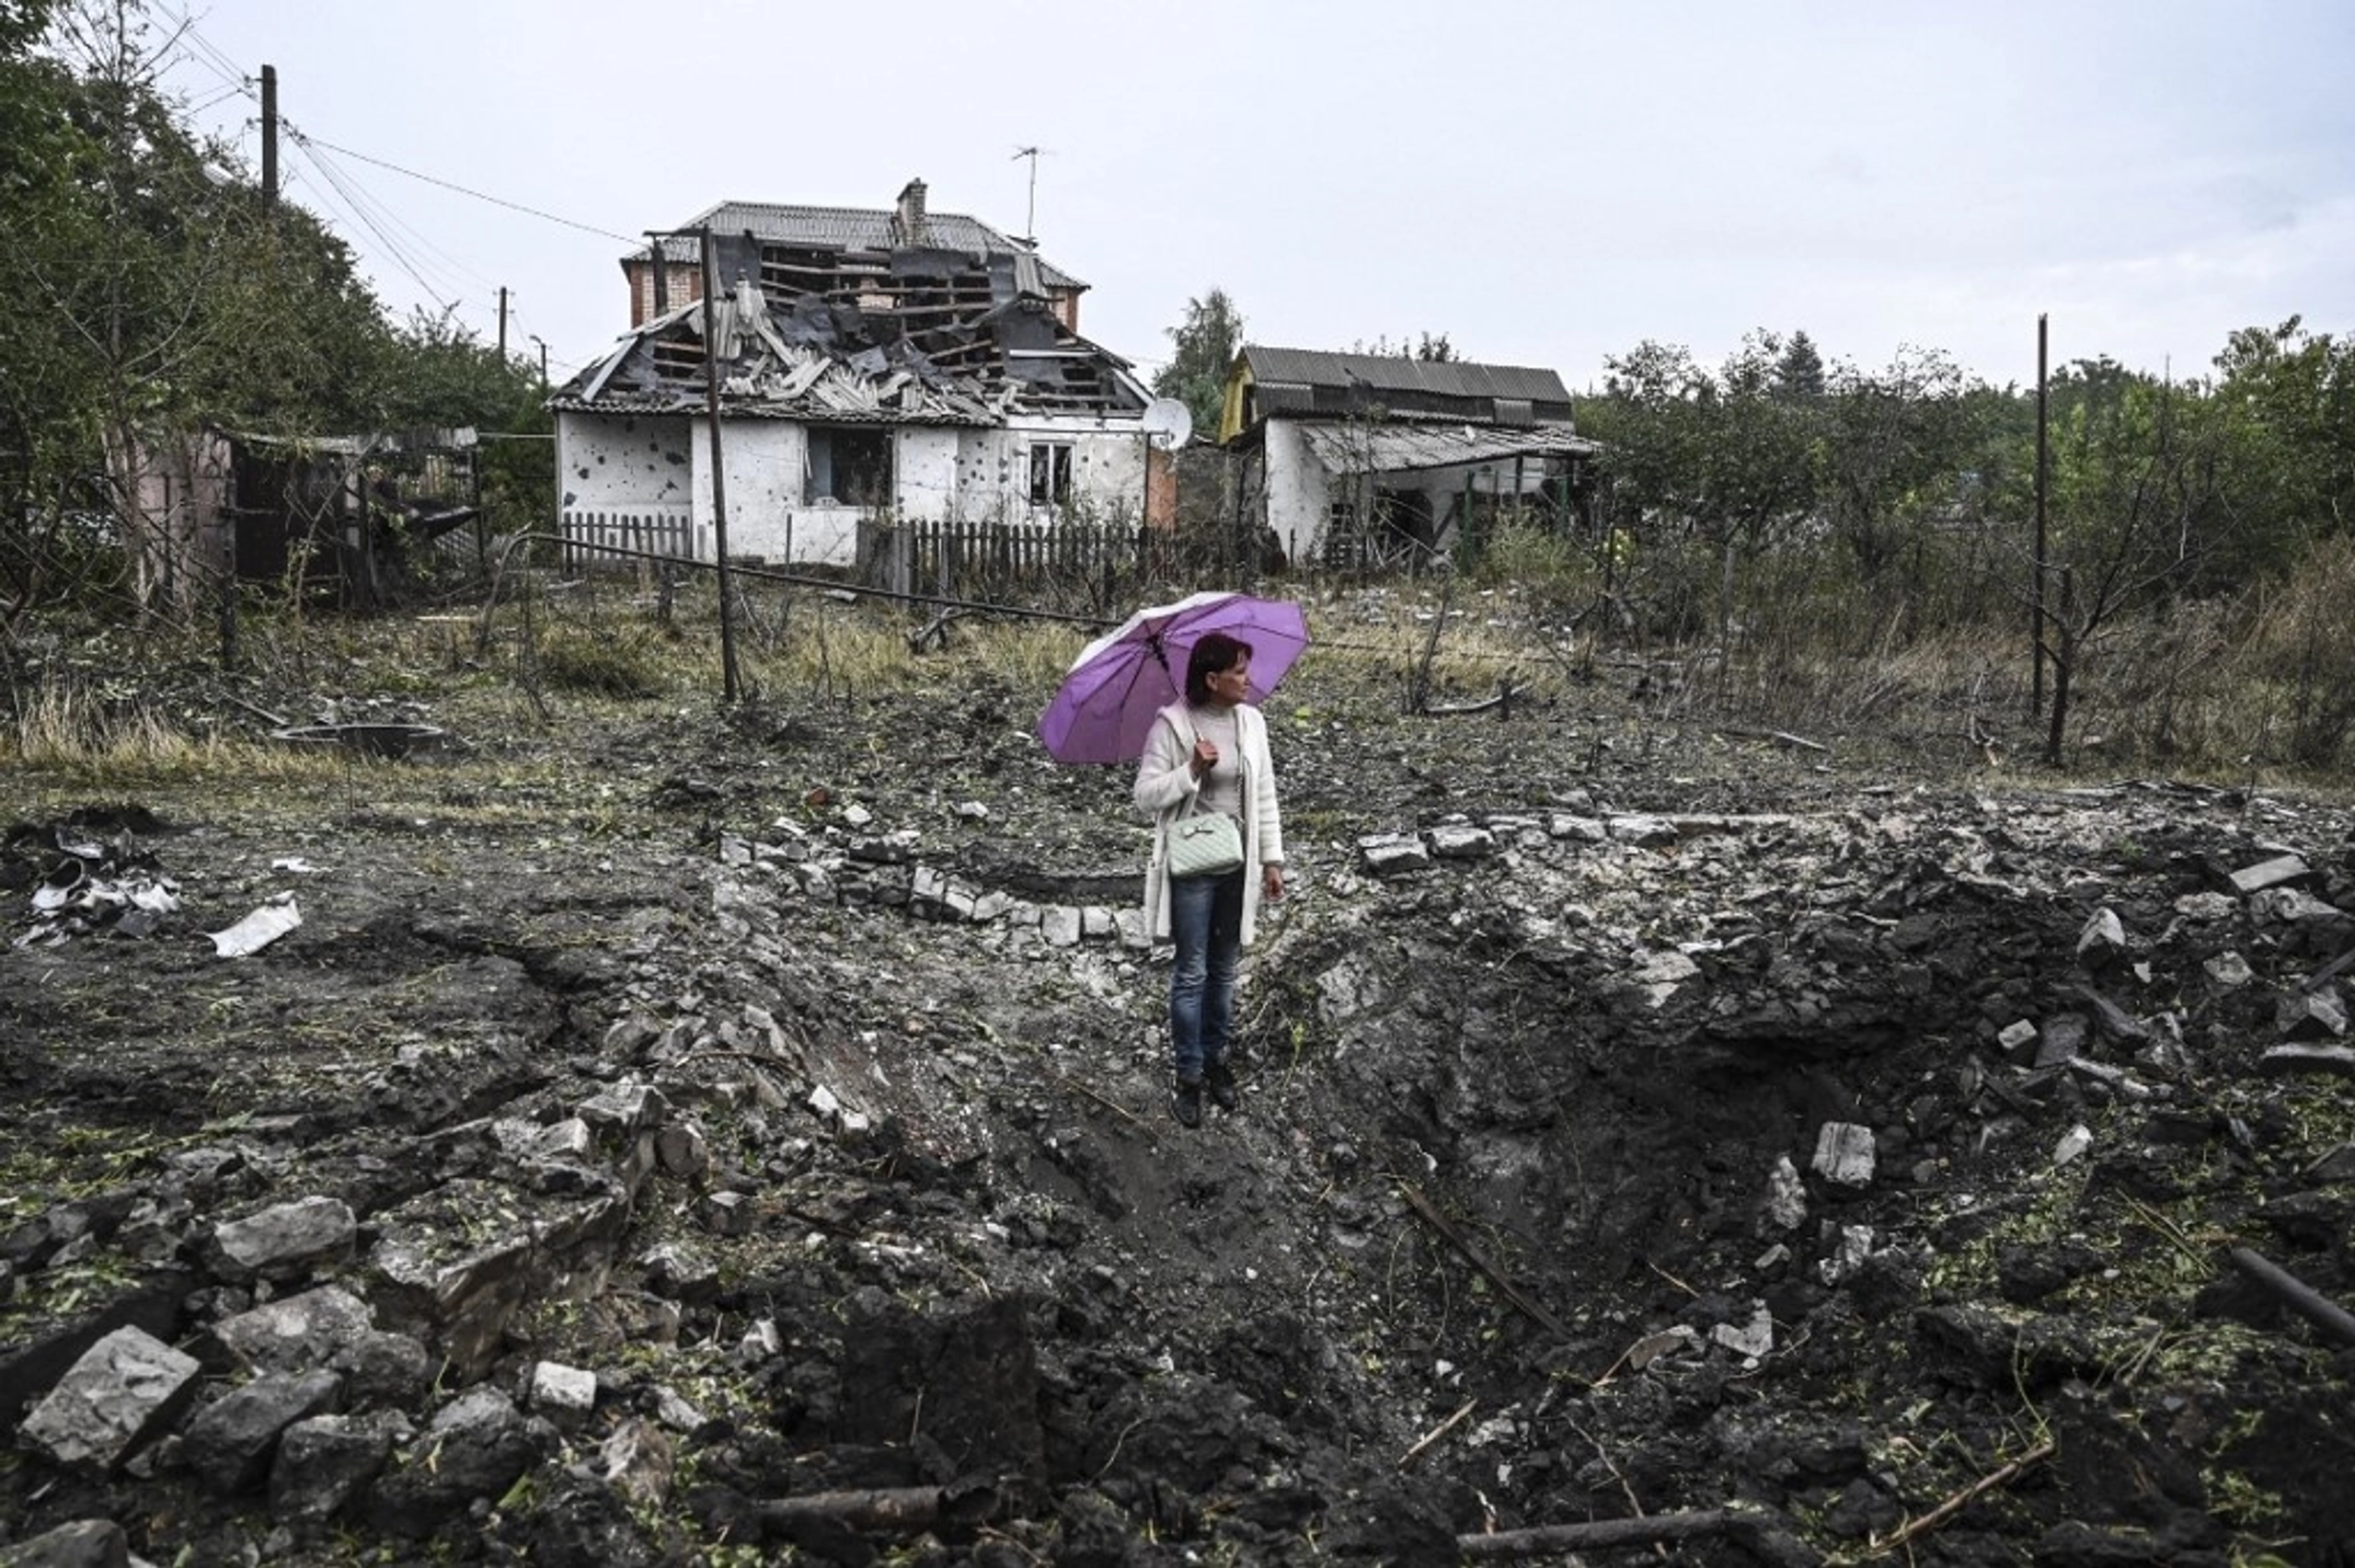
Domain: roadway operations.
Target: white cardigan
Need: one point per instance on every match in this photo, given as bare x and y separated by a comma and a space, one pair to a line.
1167, 785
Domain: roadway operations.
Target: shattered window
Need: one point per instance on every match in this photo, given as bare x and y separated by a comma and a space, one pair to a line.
1050, 473
851, 466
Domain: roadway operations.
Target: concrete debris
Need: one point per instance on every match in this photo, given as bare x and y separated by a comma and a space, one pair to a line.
475, 1448
1650, 833
2312, 1016
286, 1241
564, 1395
1795, 970
2284, 1061
638, 1461
1753, 1340
1851, 1248
85, 1543
233, 1441
1845, 1154
2072, 1145
1682, 1339
123, 1392
2103, 934
1785, 1195
1460, 840
1392, 854
324, 1463
2268, 874
2061, 1038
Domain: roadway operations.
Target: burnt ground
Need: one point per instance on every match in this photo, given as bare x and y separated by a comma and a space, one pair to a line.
1829, 1160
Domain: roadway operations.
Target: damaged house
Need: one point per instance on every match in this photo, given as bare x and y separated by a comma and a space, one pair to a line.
891, 367
1364, 459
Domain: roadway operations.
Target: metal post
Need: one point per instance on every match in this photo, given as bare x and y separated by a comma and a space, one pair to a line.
2036, 591
228, 572
719, 476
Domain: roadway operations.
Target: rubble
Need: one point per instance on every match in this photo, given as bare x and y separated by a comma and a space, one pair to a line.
1700, 1142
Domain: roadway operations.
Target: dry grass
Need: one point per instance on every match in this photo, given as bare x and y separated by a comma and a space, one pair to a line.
102, 740
2260, 689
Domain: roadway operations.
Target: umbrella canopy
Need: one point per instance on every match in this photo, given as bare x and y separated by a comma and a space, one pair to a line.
1105, 708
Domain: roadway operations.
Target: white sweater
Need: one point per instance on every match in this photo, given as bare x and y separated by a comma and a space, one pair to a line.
1165, 785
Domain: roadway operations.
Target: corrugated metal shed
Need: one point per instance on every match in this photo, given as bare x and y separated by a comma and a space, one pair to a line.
1387, 373
852, 228
1405, 448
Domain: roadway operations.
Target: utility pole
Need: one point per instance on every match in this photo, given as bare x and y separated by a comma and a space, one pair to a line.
502, 324
269, 137
718, 476
2036, 594
543, 357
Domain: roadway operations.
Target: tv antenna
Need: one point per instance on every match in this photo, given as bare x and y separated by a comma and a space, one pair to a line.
1030, 217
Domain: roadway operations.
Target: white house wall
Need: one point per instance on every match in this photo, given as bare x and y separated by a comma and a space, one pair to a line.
924, 474
645, 481
627, 481
612, 462
1299, 490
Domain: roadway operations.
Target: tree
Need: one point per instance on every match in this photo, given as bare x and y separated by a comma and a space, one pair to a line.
1893, 452
1428, 347
1203, 349
2287, 400
2137, 507
1798, 373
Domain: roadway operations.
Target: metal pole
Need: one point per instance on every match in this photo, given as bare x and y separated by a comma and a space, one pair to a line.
269, 137
719, 476
229, 571
2036, 594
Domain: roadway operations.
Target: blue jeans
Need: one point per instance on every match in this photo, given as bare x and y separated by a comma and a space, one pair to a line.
1206, 923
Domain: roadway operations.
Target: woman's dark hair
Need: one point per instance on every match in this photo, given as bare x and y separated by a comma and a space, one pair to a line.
1215, 652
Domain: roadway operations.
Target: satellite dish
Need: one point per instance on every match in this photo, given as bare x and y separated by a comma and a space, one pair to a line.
1167, 425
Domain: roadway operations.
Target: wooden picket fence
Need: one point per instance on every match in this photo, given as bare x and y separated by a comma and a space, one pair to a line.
959, 559
659, 530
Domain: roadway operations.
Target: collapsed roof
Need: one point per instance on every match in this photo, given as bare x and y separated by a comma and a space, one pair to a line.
907, 319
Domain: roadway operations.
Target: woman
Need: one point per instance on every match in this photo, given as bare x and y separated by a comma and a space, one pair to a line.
1209, 753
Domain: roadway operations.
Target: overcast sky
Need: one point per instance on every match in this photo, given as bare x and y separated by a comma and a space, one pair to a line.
1545, 183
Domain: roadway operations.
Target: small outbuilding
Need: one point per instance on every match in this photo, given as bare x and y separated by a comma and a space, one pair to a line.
1373, 460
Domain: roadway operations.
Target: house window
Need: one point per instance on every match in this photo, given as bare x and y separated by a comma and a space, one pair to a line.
849, 465
1050, 473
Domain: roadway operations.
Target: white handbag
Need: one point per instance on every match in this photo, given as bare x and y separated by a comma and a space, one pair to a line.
1204, 843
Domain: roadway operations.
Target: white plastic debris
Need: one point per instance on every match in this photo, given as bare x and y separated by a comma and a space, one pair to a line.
2073, 1144
259, 929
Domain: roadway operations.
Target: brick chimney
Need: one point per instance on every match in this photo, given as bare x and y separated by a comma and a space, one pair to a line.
911, 214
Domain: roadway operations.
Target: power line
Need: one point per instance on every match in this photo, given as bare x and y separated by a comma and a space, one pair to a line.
383, 211
201, 49
462, 190
356, 204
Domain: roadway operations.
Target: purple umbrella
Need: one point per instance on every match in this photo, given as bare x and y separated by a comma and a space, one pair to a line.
1105, 708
